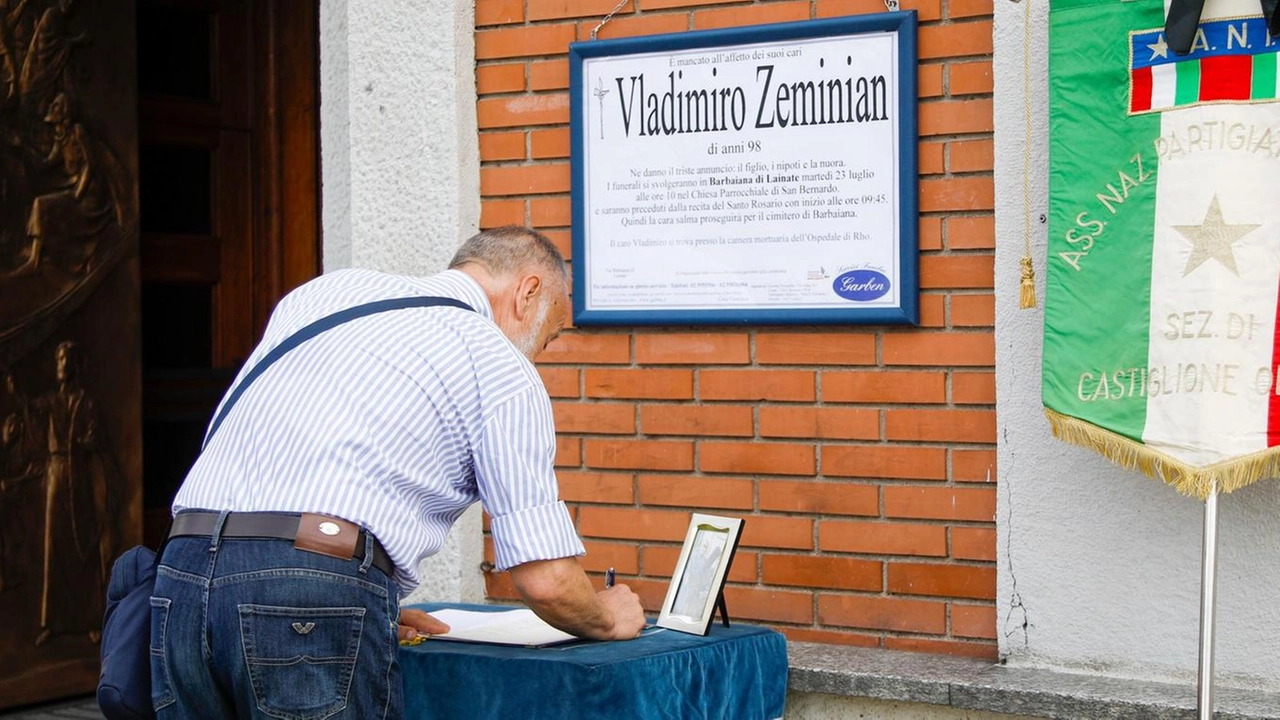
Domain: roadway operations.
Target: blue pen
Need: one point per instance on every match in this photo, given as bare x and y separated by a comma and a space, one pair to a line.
608, 578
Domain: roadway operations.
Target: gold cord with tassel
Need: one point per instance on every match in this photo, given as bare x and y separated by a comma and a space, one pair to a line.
1028, 283
1028, 297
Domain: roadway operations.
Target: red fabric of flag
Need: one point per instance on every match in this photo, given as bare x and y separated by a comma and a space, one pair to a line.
1140, 91
1226, 77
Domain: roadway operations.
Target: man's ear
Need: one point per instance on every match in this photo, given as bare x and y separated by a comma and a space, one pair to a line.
527, 289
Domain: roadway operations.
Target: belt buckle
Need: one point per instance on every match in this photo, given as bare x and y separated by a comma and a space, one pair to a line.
327, 535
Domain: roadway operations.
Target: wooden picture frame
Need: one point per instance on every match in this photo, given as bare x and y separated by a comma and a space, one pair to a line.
698, 580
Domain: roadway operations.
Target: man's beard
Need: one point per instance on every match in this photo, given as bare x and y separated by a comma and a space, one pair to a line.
527, 341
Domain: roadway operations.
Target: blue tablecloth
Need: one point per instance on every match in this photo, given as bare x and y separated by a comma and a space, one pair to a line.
738, 672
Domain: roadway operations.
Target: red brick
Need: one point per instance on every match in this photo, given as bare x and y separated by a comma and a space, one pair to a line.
967, 581
884, 461
975, 426
774, 532
930, 158
930, 230
953, 117
502, 146
549, 144
815, 348
971, 233
500, 78
499, 12
632, 524
669, 348
595, 418
973, 310
588, 348
956, 194
695, 492
623, 557
883, 613
639, 454
983, 651
779, 385
769, 605
940, 503
549, 75
882, 538
884, 386
969, 78
957, 271
933, 312
829, 637
560, 9
646, 384
762, 458
973, 388
660, 561
498, 585
595, 487
973, 621
568, 451
925, 9
496, 213
521, 110
973, 465
969, 8
973, 543
954, 40
775, 12
525, 41
662, 4
651, 592
971, 156
819, 498
636, 26
838, 573
819, 423
716, 420
939, 349
524, 179
929, 80
550, 212
560, 382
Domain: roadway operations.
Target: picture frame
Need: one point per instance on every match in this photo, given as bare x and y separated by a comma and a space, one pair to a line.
761, 175
699, 576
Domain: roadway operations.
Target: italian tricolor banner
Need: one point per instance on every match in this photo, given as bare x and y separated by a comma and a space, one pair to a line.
1161, 347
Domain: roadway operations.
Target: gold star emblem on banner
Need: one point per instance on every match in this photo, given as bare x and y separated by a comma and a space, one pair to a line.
1213, 239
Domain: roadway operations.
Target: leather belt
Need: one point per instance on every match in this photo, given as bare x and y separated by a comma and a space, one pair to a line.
314, 533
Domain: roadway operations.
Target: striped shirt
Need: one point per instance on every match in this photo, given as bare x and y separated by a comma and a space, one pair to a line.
396, 421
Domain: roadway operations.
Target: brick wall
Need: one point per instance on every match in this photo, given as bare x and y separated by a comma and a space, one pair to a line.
863, 458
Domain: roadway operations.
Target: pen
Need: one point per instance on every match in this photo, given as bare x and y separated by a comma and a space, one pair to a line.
608, 578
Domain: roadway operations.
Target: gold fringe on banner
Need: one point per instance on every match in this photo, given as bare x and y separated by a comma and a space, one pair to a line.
1190, 480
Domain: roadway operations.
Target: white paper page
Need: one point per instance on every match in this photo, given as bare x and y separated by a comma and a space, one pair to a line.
506, 627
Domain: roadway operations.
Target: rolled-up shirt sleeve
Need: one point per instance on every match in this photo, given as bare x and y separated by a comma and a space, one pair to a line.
515, 474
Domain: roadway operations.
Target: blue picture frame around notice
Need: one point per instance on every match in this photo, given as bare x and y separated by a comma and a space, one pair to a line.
870, 274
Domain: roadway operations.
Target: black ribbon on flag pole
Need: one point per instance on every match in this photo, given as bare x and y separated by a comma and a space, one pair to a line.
1184, 17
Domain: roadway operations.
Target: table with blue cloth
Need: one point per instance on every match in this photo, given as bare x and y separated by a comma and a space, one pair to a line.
737, 672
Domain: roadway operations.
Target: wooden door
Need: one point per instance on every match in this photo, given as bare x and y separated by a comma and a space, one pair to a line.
70, 447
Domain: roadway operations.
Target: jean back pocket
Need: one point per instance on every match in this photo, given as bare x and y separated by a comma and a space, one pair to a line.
301, 660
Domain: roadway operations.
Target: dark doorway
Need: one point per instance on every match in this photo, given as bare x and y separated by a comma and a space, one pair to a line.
229, 192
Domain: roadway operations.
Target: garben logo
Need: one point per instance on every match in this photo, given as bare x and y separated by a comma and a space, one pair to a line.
861, 285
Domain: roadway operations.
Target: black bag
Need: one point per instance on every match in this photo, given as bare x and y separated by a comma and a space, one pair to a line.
124, 684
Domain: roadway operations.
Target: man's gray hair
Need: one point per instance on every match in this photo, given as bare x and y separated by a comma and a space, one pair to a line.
511, 250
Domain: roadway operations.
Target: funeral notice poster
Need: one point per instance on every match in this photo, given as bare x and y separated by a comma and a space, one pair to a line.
729, 182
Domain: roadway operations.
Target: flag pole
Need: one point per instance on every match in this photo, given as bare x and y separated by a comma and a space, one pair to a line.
1208, 588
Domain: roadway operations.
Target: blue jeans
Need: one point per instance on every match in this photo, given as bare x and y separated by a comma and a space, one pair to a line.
253, 628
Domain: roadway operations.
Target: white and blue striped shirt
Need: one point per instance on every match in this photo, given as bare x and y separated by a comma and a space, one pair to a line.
396, 421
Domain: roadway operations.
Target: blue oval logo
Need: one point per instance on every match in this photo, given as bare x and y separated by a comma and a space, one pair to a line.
861, 285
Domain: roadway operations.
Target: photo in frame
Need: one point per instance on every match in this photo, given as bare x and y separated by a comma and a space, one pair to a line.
698, 580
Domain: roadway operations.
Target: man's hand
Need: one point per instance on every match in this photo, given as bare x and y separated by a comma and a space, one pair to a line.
628, 614
416, 622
